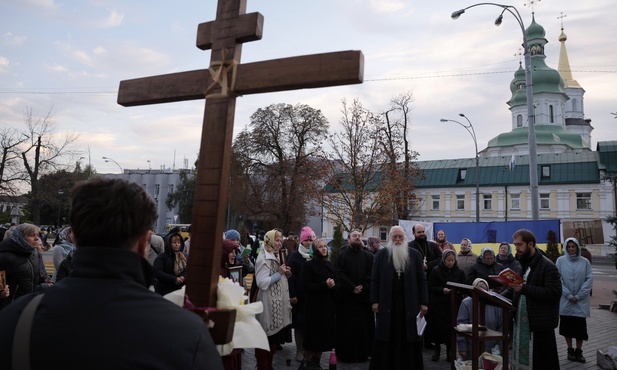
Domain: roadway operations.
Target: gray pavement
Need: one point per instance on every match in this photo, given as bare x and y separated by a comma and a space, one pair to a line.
602, 328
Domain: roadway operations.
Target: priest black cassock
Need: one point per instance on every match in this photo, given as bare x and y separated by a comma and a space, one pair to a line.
398, 293
355, 322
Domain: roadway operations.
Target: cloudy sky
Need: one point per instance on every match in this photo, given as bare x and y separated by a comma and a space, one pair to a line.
71, 55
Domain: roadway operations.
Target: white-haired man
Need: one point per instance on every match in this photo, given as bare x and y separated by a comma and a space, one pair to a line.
398, 293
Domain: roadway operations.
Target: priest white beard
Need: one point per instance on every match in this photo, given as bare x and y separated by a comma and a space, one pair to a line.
400, 255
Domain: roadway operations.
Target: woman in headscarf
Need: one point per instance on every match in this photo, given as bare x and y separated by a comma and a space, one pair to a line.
485, 265
21, 262
576, 283
170, 267
439, 301
319, 279
62, 249
506, 259
271, 279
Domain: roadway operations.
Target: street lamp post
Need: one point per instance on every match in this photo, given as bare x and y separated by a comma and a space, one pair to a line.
533, 160
472, 132
107, 160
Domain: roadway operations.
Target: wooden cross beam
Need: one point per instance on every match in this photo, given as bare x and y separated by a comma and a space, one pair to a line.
219, 85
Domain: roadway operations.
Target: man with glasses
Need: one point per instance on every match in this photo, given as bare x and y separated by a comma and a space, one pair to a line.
355, 320
537, 303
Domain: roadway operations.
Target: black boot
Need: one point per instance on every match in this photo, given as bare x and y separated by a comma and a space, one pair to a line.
448, 358
578, 354
571, 356
437, 352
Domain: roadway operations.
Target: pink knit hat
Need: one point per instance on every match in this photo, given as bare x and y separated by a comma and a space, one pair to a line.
307, 233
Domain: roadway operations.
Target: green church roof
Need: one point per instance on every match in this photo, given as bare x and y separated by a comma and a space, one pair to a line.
545, 135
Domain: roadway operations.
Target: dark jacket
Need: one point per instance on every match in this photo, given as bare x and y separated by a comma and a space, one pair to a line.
430, 251
482, 270
320, 305
112, 319
543, 292
439, 304
164, 268
66, 266
22, 267
509, 262
416, 293
296, 288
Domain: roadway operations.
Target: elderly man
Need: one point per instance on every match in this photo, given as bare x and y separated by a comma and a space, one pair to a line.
355, 322
537, 301
398, 294
428, 249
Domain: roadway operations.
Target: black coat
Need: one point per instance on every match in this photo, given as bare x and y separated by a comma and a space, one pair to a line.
320, 306
482, 270
543, 292
296, 288
110, 320
22, 267
164, 269
439, 304
430, 251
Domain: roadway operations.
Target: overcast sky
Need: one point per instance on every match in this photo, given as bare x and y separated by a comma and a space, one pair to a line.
71, 55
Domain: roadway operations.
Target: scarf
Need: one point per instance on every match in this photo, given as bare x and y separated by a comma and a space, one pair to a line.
21, 241
179, 263
304, 252
522, 352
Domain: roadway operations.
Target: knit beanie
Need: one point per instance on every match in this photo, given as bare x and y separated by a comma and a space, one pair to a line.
232, 234
307, 233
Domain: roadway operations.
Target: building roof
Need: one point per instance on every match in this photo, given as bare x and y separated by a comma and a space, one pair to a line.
607, 152
565, 168
545, 135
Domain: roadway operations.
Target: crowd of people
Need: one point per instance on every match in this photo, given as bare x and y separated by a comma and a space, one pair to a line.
364, 304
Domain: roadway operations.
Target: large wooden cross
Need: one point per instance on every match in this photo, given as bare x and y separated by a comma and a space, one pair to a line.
220, 84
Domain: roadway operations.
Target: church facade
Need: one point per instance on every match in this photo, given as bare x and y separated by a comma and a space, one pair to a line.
573, 177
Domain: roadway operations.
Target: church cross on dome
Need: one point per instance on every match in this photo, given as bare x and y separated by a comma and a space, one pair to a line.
561, 17
531, 3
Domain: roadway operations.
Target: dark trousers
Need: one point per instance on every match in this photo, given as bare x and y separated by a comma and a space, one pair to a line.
545, 355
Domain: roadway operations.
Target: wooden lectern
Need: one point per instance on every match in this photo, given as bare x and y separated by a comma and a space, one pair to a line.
480, 298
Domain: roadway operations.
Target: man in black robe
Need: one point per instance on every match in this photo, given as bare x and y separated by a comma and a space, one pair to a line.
398, 294
428, 249
355, 322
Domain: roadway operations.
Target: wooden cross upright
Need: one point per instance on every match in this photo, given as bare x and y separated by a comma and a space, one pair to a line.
220, 85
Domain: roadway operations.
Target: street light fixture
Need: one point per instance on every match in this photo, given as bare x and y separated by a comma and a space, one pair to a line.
533, 160
107, 160
472, 132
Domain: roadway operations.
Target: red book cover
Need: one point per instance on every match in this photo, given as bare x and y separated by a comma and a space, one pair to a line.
507, 277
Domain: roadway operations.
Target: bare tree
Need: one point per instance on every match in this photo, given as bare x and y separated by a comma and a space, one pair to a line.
10, 174
43, 151
273, 176
398, 178
354, 169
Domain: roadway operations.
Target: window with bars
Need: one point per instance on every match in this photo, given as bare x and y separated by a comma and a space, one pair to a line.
583, 200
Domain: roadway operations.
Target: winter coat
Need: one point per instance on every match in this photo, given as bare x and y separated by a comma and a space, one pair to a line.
164, 268
465, 261
433, 254
439, 304
576, 281
509, 262
493, 319
320, 305
296, 288
416, 292
482, 270
22, 267
273, 293
112, 319
543, 291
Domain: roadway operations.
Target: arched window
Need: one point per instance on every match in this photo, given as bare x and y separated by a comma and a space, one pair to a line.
550, 114
519, 121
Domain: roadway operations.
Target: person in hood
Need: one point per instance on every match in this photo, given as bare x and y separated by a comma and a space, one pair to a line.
62, 249
506, 259
20, 260
576, 283
170, 266
466, 257
485, 265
